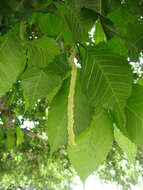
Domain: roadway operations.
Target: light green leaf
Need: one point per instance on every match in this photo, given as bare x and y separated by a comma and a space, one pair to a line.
140, 81
57, 118
38, 83
125, 144
42, 51
12, 61
106, 79
99, 35
20, 136
92, 146
134, 113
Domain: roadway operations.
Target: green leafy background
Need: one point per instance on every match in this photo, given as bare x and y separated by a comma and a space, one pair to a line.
37, 39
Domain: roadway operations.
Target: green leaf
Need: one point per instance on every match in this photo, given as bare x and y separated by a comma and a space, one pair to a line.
134, 113
2, 140
42, 51
20, 136
12, 61
95, 5
140, 81
10, 98
34, 84
99, 35
135, 44
79, 23
1, 133
106, 79
99, 6
50, 24
92, 146
57, 118
10, 139
111, 5
121, 18
38, 83
109, 28
125, 144
83, 110
23, 9
57, 115
118, 46
136, 7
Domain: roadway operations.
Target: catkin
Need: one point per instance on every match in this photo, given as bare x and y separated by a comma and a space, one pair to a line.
71, 135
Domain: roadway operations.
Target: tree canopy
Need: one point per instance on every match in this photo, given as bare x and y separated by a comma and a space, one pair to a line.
70, 78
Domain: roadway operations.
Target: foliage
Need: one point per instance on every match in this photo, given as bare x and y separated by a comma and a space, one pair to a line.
119, 170
25, 160
75, 84
31, 167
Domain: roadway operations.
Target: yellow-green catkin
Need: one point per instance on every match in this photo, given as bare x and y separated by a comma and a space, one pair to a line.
71, 135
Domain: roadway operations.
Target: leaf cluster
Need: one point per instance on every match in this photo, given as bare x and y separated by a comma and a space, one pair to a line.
70, 62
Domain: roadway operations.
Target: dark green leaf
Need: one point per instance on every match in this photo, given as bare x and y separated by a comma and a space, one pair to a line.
79, 22
95, 5
99, 6
135, 37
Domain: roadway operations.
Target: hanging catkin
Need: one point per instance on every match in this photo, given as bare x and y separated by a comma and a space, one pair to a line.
71, 135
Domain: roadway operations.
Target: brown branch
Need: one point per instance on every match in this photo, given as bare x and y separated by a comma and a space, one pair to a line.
6, 111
